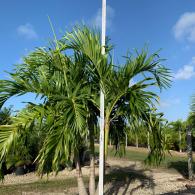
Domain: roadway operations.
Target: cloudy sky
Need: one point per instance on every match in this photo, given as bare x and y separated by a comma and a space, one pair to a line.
161, 24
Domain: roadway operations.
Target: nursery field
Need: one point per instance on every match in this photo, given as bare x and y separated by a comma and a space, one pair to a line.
126, 175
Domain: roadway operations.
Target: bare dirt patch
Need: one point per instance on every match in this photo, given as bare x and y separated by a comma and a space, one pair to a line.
136, 179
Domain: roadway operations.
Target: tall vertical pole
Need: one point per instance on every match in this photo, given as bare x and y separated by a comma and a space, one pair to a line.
101, 150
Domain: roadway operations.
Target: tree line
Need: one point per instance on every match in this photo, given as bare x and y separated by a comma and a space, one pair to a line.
174, 135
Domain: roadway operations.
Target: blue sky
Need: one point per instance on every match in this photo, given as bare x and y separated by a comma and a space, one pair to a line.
162, 24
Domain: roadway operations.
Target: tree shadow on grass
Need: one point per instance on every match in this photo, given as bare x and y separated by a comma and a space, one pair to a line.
121, 179
181, 167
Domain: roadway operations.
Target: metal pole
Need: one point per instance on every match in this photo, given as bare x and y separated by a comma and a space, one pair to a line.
101, 150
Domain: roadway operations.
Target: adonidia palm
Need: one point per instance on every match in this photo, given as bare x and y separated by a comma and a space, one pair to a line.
60, 80
122, 97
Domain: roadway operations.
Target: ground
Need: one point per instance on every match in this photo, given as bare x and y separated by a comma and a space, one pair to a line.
122, 177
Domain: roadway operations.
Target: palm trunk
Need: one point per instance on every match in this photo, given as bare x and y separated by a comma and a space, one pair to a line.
126, 140
148, 139
136, 140
107, 128
180, 140
189, 153
81, 186
69, 164
92, 163
97, 190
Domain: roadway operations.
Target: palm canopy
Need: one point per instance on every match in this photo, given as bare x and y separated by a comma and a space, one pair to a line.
121, 98
136, 98
191, 117
67, 77
60, 80
177, 125
124, 99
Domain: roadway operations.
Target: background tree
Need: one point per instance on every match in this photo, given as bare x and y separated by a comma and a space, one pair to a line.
121, 98
189, 127
5, 116
178, 126
49, 73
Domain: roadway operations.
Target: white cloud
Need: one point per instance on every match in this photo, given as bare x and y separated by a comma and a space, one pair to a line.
185, 27
170, 102
27, 31
186, 72
97, 19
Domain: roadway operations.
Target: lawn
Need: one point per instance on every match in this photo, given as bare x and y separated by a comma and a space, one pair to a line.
38, 187
140, 154
173, 160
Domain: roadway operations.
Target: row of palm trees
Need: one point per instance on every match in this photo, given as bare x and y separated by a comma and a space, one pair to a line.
67, 76
174, 134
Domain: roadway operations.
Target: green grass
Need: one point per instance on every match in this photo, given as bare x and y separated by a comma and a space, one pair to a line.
133, 154
174, 161
39, 186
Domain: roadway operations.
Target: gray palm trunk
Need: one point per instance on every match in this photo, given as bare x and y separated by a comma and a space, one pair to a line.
189, 153
148, 140
126, 140
136, 141
180, 140
81, 186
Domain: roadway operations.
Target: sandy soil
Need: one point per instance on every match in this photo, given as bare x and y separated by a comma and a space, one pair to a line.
135, 179
145, 181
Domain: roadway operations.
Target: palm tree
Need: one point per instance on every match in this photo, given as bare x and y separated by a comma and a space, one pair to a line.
5, 116
135, 126
58, 80
178, 126
121, 98
124, 99
156, 125
190, 125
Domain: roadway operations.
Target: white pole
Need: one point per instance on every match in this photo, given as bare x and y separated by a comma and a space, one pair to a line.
101, 150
